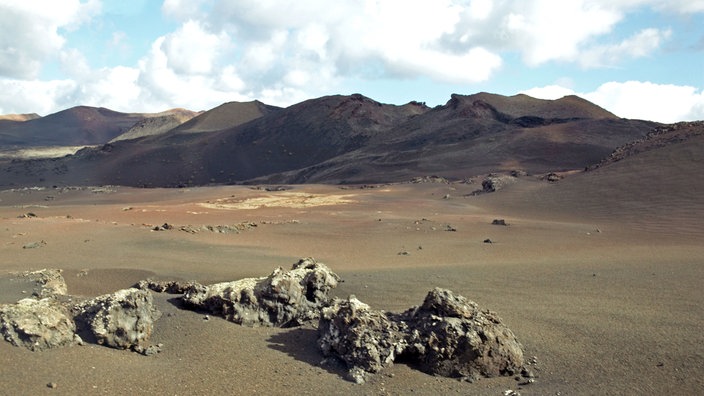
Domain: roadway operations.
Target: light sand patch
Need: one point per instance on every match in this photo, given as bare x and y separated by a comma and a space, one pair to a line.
281, 200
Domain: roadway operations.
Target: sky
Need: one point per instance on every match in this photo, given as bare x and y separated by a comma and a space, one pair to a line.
639, 59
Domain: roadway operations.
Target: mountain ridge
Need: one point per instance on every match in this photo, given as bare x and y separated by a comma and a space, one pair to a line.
351, 139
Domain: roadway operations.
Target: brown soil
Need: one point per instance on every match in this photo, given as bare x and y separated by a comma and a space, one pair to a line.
606, 303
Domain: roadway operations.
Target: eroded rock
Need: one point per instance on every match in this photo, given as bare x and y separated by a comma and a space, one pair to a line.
37, 324
282, 299
453, 337
367, 340
50, 282
447, 335
123, 320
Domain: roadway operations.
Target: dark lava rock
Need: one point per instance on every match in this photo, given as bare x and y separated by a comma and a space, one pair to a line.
282, 299
500, 222
447, 335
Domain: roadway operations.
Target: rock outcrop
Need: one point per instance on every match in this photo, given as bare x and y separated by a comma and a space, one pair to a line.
447, 335
123, 320
50, 282
37, 324
282, 299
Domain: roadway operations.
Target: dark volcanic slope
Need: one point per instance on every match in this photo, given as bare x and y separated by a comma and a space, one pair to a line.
157, 124
225, 116
353, 139
482, 133
77, 126
656, 186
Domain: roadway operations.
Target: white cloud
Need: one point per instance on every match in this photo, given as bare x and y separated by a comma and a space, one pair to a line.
645, 100
664, 103
29, 32
192, 50
41, 97
284, 52
639, 45
550, 92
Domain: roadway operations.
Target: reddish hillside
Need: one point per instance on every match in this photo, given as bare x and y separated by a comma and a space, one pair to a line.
80, 125
352, 139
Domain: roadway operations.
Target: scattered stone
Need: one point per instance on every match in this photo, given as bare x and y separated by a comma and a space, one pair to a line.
450, 228
488, 241
403, 253
170, 287
446, 196
500, 222
493, 183
122, 320
447, 335
151, 350
27, 215
429, 179
220, 229
552, 177
37, 324
282, 299
52, 385
34, 245
163, 227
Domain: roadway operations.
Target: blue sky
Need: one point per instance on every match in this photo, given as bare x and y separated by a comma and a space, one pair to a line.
637, 58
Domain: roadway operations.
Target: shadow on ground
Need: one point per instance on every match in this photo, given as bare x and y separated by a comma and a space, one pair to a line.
302, 344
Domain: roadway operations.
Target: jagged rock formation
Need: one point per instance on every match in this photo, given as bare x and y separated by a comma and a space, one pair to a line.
37, 324
123, 320
282, 299
447, 335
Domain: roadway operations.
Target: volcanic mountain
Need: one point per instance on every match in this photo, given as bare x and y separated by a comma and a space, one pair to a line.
76, 126
351, 139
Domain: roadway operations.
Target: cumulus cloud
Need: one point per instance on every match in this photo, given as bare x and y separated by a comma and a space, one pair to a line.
639, 45
664, 103
284, 52
30, 32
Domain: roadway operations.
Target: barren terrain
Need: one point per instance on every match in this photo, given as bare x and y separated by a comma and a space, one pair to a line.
605, 301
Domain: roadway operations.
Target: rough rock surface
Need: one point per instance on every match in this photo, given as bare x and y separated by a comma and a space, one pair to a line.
161, 286
367, 340
454, 338
123, 320
282, 299
50, 281
37, 324
447, 335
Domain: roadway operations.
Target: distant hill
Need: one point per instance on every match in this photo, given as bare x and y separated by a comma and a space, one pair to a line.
19, 117
157, 124
227, 115
350, 139
76, 126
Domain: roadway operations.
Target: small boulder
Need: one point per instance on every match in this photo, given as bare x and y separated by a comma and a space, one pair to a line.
122, 320
365, 339
454, 338
37, 324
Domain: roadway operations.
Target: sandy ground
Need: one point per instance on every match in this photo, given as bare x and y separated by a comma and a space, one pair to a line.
606, 302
